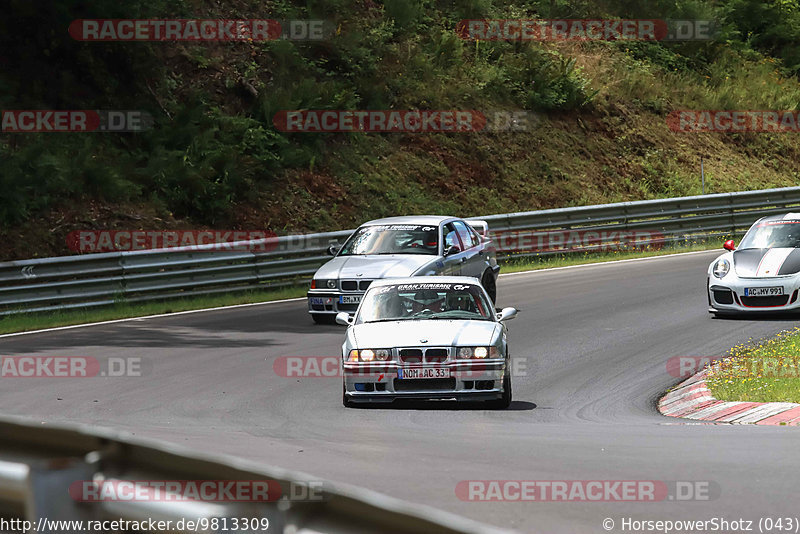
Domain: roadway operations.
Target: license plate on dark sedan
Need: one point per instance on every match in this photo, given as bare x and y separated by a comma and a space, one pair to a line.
423, 372
763, 291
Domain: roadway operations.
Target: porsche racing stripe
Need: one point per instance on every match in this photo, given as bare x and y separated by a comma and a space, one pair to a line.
746, 261
792, 263
771, 261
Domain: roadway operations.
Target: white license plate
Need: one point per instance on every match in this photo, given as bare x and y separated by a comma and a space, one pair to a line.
423, 372
350, 299
763, 291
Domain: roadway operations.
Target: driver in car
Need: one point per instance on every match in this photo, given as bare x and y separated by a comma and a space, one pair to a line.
427, 299
460, 301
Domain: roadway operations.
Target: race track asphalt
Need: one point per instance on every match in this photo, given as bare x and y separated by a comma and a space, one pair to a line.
594, 342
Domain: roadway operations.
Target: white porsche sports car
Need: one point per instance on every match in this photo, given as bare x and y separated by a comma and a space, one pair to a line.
427, 337
762, 274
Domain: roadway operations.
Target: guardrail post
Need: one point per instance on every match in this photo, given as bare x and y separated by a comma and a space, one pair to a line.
49, 497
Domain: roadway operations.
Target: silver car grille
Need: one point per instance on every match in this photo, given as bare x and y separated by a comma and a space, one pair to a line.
355, 285
424, 355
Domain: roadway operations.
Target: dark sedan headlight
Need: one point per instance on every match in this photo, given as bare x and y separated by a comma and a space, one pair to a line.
369, 355
477, 353
721, 268
322, 284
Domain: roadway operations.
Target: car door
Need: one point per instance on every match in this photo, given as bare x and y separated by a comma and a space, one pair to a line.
452, 263
472, 262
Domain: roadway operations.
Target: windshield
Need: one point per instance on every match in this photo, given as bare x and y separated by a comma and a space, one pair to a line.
424, 301
773, 234
393, 239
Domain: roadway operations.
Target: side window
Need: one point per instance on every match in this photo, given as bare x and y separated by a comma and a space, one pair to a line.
463, 233
450, 237
476, 239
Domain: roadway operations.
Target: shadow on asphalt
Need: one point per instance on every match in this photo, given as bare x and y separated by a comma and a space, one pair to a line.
516, 406
785, 317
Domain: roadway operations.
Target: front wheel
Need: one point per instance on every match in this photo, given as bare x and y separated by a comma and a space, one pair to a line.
490, 285
505, 401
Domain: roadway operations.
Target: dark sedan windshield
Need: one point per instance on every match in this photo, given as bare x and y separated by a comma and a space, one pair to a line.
393, 239
425, 301
773, 234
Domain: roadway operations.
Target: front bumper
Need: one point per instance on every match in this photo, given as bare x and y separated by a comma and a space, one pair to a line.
380, 382
728, 295
330, 301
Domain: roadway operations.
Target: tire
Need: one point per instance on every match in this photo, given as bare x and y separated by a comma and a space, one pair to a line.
490, 285
323, 318
505, 401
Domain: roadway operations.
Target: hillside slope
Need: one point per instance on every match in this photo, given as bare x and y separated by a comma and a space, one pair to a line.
215, 160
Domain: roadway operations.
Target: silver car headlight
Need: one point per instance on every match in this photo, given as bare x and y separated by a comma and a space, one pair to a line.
369, 355
721, 268
479, 353
322, 284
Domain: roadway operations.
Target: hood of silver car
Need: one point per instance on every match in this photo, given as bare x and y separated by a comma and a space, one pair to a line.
371, 267
766, 262
429, 333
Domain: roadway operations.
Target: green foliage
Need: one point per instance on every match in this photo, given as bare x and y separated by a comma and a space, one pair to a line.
217, 150
770, 26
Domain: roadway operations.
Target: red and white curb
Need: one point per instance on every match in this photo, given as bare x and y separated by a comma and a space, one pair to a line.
692, 400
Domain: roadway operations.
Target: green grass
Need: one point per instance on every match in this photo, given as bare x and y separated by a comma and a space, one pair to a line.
767, 371
36, 321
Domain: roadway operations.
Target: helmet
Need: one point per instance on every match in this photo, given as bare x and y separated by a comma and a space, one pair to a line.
426, 296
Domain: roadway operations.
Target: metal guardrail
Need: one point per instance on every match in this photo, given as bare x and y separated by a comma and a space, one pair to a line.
90, 280
40, 467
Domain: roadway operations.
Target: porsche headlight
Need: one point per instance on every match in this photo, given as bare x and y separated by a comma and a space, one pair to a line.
721, 268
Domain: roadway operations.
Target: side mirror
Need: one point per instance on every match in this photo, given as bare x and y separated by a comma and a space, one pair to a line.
343, 318
729, 245
452, 249
506, 314
333, 250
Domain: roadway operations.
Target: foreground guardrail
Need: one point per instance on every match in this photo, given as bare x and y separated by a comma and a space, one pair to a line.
101, 279
44, 470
